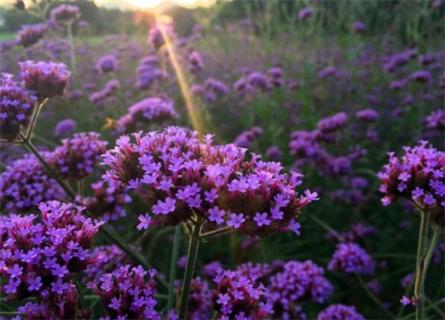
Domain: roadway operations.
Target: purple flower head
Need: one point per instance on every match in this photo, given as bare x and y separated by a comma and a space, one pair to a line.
421, 76
200, 300
65, 127
65, 13
276, 76
358, 26
16, 107
418, 175
77, 156
274, 153
246, 138
238, 296
150, 110
47, 79
305, 13
128, 291
100, 97
180, 175
195, 62
40, 255
351, 258
104, 259
436, 120
339, 312
333, 123
24, 184
367, 115
107, 63
29, 35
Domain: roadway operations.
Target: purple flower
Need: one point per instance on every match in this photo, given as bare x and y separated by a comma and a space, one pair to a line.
261, 219
65, 13
195, 62
47, 79
305, 13
358, 26
367, 115
351, 258
144, 222
107, 63
65, 127
246, 138
29, 35
339, 312
436, 120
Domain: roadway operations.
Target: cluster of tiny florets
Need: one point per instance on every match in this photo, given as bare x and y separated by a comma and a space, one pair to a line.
40, 253
351, 258
16, 107
77, 156
180, 175
24, 184
340, 312
107, 63
128, 292
29, 35
418, 175
150, 110
65, 13
47, 79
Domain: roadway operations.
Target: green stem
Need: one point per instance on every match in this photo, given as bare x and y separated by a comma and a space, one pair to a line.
373, 297
173, 261
29, 145
72, 47
216, 232
192, 255
420, 264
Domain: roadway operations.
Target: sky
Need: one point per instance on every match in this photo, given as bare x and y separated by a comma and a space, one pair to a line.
135, 4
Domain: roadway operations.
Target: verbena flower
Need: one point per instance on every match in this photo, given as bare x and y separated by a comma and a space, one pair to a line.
47, 79
65, 127
358, 26
367, 115
195, 62
340, 312
333, 123
147, 111
276, 76
305, 13
77, 156
351, 258
148, 72
104, 259
16, 107
128, 292
24, 184
100, 97
107, 63
29, 35
418, 175
436, 120
247, 137
107, 201
200, 300
239, 297
65, 13
274, 153
40, 254
180, 175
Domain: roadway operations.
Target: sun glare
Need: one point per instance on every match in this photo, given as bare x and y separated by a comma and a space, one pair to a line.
144, 4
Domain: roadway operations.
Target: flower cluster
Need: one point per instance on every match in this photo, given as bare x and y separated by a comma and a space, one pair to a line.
38, 259
356, 232
29, 35
195, 62
251, 83
339, 312
148, 72
107, 201
210, 90
247, 137
128, 292
436, 120
332, 123
180, 175
65, 127
150, 110
16, 107
239, 297
65, 13
104, 259
99, 97
24, 184
47, 79
351, 258
107, 63
274, 153
358, 26
200, 302
305, 13
77, 156
418, 175
367, 115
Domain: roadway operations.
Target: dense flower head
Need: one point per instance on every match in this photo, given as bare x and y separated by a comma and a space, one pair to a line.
305, 13
129, 292
252, 83
331, 71
157, 32
107, 63
421, 76
397, 60
419, 175
238, 297
351, 258
295, 282
47, 79
99, 97
29, 35
356, 232
24, 184
195, 62
276, 76
436, 120
148, 72
77, 156
104, 259
200, 300
40, 253
333, 123
147, 111
339, 312
247, 137
181, 175
367, 115
107, 201
65, 13
274, 153
358, 26
16, 107
65, 127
